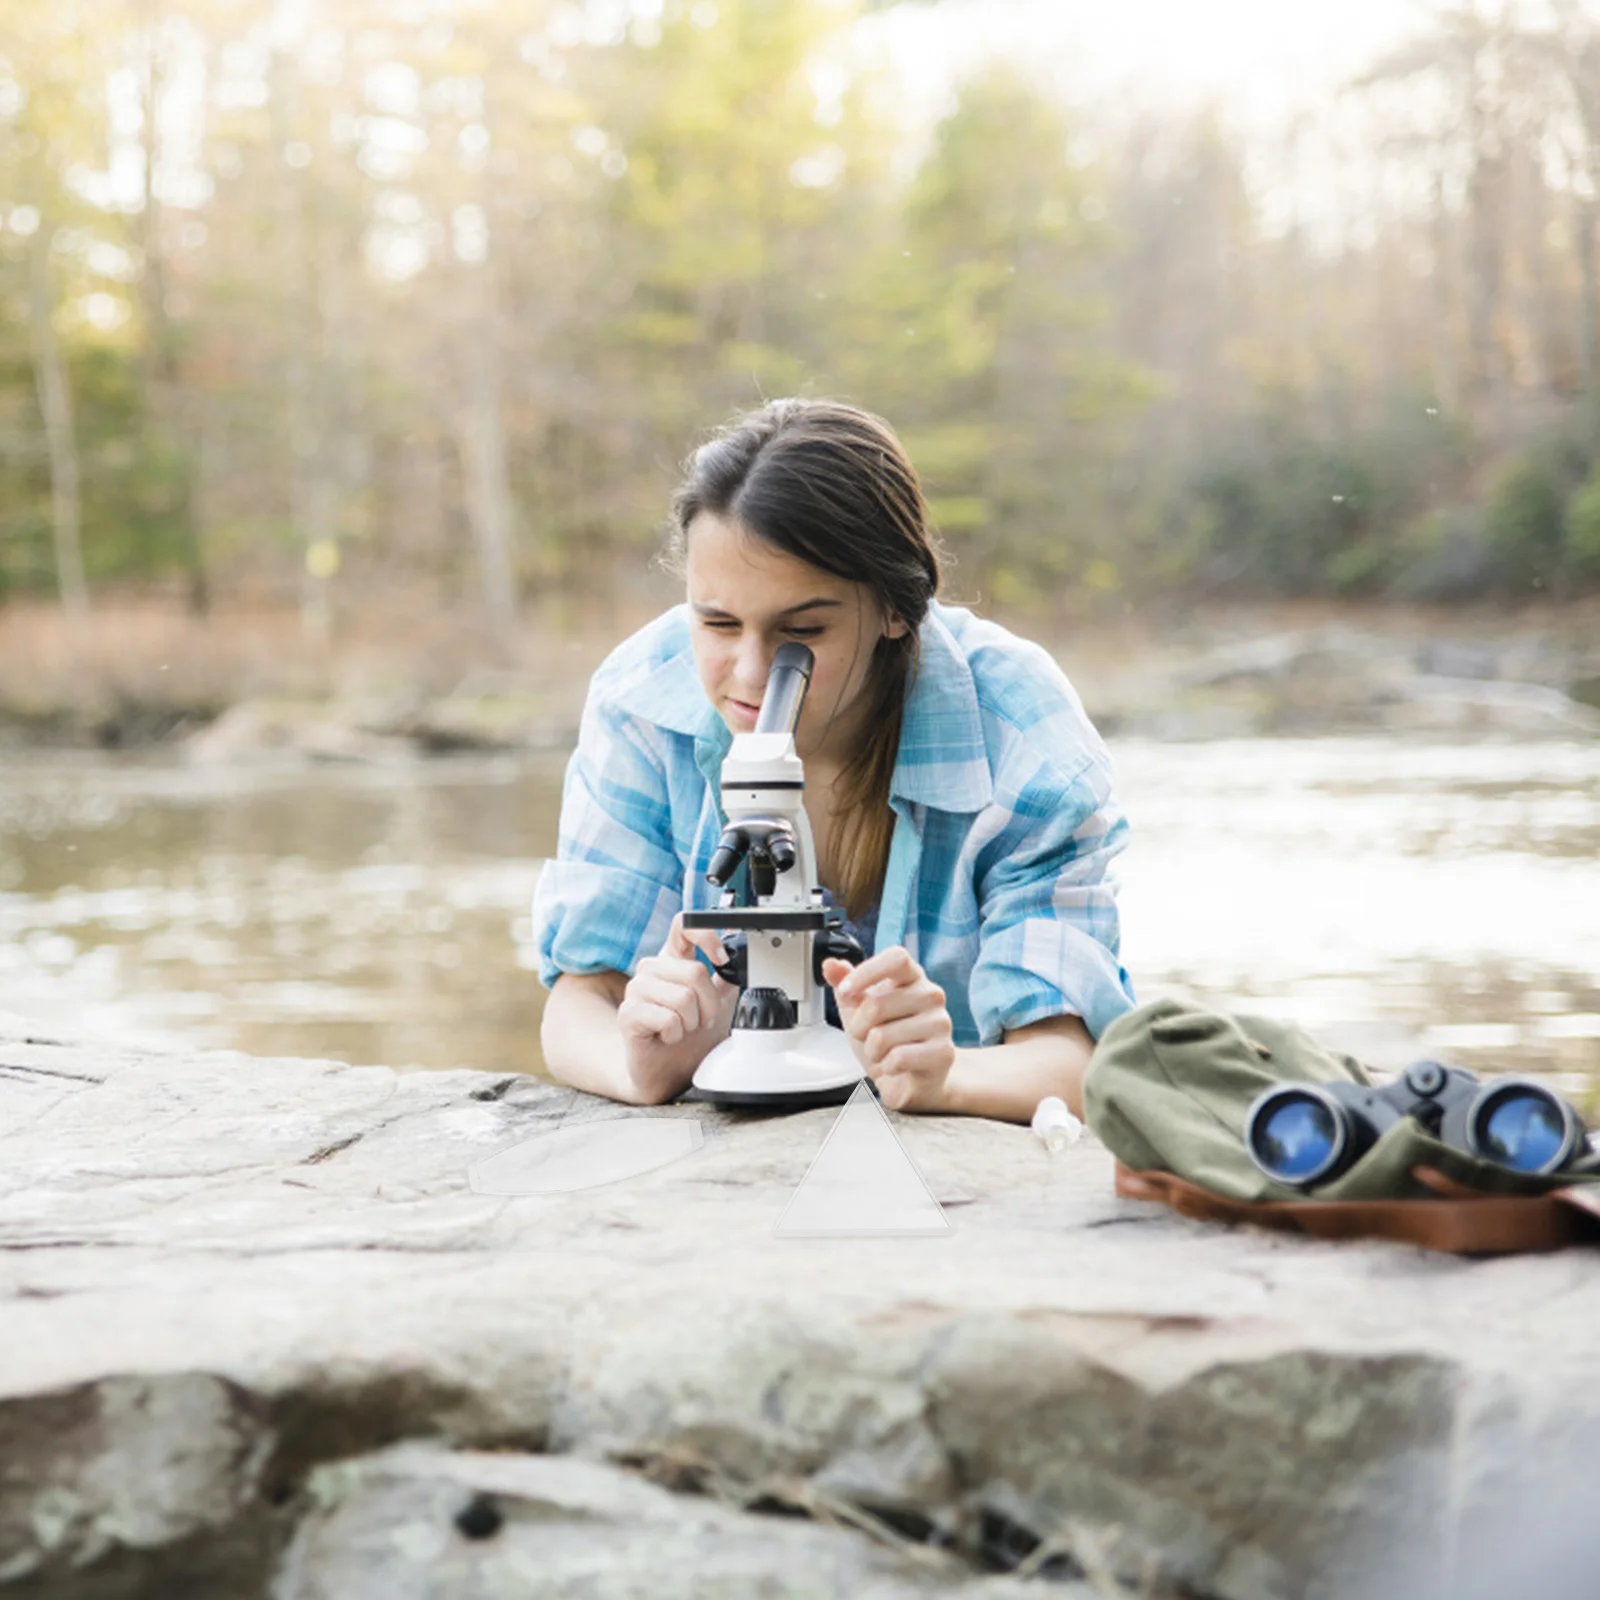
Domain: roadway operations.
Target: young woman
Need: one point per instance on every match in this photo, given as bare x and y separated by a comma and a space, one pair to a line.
959, 798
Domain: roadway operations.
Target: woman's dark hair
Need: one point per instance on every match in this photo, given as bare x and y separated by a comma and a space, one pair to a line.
832, 486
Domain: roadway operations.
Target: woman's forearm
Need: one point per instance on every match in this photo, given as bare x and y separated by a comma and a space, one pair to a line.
583, 1048
1007, 1081
579, 1036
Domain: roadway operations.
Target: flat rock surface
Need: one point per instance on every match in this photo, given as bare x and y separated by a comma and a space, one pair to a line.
257, 1332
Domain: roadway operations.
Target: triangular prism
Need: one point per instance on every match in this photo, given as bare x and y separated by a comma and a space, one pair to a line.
862, 1182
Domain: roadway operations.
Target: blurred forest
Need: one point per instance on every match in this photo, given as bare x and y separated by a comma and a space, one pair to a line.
300, 299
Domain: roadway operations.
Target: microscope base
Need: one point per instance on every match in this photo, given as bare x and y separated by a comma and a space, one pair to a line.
727, 1100
785, 1069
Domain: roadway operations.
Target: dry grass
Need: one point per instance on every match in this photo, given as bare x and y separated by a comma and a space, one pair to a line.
151, 659
151, 655
140, 667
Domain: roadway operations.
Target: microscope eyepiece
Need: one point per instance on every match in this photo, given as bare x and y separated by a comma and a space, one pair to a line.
785, 694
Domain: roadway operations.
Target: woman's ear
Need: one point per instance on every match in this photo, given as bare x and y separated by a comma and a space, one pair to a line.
895, 628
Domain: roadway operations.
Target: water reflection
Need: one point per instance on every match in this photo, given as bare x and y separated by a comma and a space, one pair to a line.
365, 915
1391, 896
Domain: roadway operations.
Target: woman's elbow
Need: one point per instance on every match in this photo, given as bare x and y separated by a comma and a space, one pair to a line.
578, 1007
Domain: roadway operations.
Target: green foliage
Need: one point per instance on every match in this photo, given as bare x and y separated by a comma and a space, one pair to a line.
129, 530
25, 561
1274, 523
1583, 530
1526, 516
979, 327
1112, 376
1292, 511
1442, 555
1362, 567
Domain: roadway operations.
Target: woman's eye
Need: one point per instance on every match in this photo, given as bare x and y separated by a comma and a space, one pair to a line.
804, 633
720, 624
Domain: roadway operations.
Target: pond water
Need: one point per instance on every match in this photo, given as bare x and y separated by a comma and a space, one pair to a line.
1393, 896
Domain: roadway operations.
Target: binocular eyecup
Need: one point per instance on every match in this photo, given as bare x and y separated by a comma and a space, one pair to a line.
1306, 1134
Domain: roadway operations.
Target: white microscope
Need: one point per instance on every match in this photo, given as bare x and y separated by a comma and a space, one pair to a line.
781, 1053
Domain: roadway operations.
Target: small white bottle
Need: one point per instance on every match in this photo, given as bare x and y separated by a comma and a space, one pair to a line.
1056, 1125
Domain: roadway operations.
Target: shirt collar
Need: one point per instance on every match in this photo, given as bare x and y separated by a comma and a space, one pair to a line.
943, 760
667, 690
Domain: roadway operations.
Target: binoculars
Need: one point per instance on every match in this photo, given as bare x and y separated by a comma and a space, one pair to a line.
1308, 1133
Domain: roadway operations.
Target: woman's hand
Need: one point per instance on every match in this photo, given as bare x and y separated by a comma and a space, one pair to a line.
673, 1011
895, 1016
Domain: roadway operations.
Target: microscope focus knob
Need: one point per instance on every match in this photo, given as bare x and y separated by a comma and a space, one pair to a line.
833, 941
764, 1008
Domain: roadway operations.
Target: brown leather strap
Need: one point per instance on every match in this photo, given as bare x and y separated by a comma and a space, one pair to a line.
1467, 1223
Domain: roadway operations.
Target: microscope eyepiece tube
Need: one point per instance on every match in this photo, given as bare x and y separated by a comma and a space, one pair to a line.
785, 694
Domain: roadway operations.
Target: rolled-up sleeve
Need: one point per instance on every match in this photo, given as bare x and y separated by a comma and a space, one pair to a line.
1049, 937
609, 896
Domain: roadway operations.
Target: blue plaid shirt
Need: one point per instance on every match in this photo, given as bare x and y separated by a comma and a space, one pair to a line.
1004, 826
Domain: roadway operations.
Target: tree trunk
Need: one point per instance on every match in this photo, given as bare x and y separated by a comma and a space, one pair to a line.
55, 406
312, 499
1446, 367
488, 486
1583, 230
481, 432
158, 353
1580, 60
1485, 238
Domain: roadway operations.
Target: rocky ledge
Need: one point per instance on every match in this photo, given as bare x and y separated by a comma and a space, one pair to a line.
259, 1336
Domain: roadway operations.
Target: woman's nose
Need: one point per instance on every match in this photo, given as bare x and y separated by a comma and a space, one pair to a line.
751, 667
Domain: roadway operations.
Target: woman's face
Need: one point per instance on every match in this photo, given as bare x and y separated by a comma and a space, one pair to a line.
746, 598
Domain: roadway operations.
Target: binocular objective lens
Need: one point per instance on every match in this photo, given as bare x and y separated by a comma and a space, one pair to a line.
1523, 1127
1294, 1136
